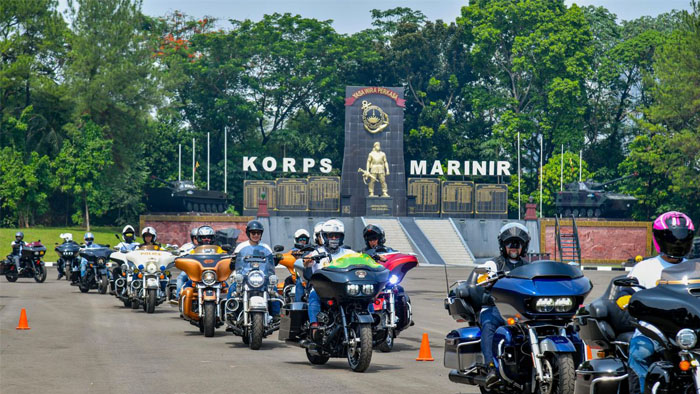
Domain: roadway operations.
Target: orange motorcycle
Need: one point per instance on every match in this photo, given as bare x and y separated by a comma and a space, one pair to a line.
203, 303
287, 288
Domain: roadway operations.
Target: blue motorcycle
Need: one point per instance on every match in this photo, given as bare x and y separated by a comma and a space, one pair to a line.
538, 349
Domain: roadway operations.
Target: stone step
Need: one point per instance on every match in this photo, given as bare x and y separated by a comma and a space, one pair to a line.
395, 235
446, 241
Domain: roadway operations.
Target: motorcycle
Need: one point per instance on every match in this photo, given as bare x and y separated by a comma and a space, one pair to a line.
96, 273
33, 265
68, 260
392, 307
202, 304
248, 309
668, 313
347, 287
147, 269
607, 330
123, 277
538, 349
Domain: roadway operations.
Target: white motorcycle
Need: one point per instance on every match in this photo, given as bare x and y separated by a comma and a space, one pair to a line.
147, 276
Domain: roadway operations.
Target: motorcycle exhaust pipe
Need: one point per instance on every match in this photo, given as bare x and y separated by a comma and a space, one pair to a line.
231, 305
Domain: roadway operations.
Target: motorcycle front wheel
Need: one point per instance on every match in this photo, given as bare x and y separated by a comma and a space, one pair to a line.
151, 301
40, 273
360, 354
11, 276
388, 343
127, 303
256, 330
102, 286
83, 285
209, 319
560, 367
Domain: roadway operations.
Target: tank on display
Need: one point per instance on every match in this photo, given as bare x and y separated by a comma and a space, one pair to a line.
184, 196
590, 199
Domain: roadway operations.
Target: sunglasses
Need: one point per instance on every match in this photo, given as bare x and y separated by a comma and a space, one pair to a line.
514, 245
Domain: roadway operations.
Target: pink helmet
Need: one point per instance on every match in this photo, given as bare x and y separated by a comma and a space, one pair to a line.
673, 234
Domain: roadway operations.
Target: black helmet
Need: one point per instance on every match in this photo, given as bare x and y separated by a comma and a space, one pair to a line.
128, 233
673, 234
19, 235
205, 232
513, 232
372, 231
253, 225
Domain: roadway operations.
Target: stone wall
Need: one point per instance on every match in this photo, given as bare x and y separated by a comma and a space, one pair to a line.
175, 229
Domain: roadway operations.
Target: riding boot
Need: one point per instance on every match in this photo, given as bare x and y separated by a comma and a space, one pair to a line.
492, 377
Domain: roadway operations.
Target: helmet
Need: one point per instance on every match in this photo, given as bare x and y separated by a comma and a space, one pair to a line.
317, 233
253, 225
372, 231
333, 226
205, 232
149, 230
638, 259
66, 237
128, 233
193, 233
301, 234
513, 232
19, 235
673, 234
88, 237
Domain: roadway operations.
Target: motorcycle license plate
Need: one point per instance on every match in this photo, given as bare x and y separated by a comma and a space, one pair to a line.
151, 282
378, 304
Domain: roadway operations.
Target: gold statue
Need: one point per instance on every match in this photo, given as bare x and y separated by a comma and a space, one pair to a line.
377, 169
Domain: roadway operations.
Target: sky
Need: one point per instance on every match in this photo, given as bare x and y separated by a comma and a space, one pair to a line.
350, 16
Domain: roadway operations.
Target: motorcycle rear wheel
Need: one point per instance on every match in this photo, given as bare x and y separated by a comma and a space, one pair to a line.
256, 330
40, 273
102, 285
209, 318
134, 304
11, 276
151, 301
127, 303
316, 359
360, 355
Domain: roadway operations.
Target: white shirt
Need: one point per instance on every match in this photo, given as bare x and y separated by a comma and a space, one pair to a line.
188, 247
324, 262
648, 272
247, 243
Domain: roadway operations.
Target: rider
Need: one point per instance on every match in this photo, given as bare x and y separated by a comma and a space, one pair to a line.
301, 240
66, 237
333, 234
374, 242
128, 242
186, 248
513, 241
17, 246
673, 239
318, 239
89, 239
253, 246
149, 236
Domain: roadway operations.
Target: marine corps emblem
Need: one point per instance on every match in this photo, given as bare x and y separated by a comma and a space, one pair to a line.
374, 118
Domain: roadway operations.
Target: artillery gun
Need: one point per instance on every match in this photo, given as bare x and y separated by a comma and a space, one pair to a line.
184, 196
590, 199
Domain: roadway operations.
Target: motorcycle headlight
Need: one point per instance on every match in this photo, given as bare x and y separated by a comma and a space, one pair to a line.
367, 289
394, 279
544, 304
36, 253
563, 304
151, 269
256, 279
353, 289
209, 277
273, 280
100, 261
686, 338
239, 278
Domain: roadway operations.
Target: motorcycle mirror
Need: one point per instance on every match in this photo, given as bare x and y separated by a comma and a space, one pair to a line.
227, 248
278, 248
627, 282
308, 248
481, 270
117, 237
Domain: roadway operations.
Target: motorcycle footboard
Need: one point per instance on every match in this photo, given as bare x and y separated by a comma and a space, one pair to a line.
602, 375
293, 316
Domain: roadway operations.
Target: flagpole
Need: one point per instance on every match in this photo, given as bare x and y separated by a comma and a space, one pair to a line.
179, 162
225, 157
193, 147
541, 174
580, 159
561, 170
207, 161
518, 175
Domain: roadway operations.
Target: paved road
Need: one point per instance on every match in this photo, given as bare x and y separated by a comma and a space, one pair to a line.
89, 343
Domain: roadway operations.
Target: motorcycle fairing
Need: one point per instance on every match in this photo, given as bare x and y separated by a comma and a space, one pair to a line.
331, 284
194, 265
399, 264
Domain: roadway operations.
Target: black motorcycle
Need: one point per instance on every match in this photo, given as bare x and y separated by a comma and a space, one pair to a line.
346, 288
68, 260
96, 276
31, 258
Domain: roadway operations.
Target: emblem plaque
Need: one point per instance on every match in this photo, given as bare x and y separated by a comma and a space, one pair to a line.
374, 118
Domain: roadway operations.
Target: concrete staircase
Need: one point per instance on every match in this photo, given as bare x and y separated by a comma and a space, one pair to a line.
449, 244
395, 235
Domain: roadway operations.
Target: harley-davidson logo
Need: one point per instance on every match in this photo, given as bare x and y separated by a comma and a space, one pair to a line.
373, 117
361, 274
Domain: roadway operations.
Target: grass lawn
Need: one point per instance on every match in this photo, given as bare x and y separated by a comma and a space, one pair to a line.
49, 236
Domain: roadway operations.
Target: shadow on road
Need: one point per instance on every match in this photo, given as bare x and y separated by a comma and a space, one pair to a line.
339, 364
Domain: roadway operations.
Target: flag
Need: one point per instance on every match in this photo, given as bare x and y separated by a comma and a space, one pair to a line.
196, 165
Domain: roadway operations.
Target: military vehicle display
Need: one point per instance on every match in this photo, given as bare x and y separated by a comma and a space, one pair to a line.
590, 199
184, 196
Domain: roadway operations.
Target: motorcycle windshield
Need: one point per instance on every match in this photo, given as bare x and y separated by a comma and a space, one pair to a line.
255, 257
354, 259
685, 273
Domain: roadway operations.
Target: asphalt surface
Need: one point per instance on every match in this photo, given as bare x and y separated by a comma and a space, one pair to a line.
90, 343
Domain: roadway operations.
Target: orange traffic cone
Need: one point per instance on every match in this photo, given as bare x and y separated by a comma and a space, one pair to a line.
23, 325
424, 352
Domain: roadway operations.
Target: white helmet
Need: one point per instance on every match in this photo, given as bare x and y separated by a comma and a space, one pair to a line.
67, 237
149, 230
333, 226
301, 233
128, 230
317, 233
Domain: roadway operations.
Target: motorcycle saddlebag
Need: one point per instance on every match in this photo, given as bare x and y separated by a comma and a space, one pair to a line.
602, 375
293, 317
402, 311
463, 348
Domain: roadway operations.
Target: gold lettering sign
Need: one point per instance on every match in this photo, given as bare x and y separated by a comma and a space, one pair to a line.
427, 193
324, 194
292, 194
253, 190
491, 198
374, 118
457, 197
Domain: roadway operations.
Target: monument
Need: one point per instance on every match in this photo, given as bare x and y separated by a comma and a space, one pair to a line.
373, 180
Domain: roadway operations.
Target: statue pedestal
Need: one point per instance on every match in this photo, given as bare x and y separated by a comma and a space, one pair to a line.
530, 211
262, 209
379, 206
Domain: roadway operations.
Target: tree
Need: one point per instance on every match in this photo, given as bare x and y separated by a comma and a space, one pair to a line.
24, 187
79, 168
